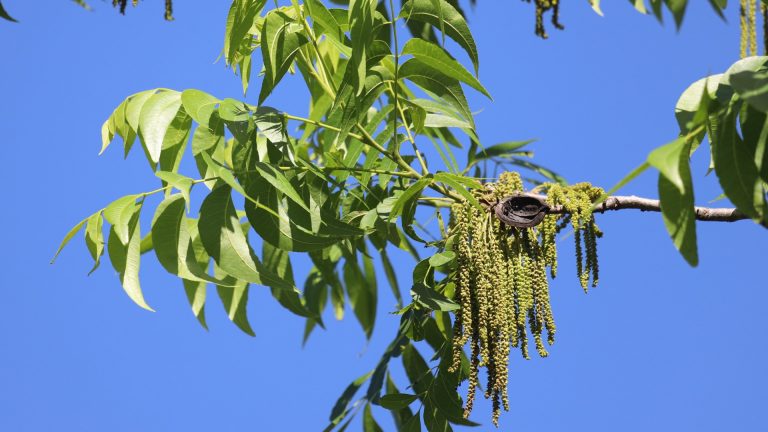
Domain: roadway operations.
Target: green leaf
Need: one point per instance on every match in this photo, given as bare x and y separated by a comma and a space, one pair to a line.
156, 116
278, 262
437, 58
596, 6
369, 423
623, 182
119, 214
281, 39
197, 291
433, 299
125, 257
499, 150
74, 230
240, 20
4, 14
225, 242
409, 195
417, 370
736, 169
448, 17
180, 182
172, 242
413, 424
361, 17
94, 238
676, 196
439, 84
458, 183
397, 401
752, 86
329, 25
677, 7
442, 259
235, 299
340, 411
233, 110
278, 180
688, 109
362, 293
389, 271
199, 105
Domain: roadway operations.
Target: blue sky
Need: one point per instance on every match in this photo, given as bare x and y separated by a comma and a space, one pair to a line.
658, 346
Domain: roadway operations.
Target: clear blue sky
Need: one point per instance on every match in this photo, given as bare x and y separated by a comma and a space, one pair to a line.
658, 346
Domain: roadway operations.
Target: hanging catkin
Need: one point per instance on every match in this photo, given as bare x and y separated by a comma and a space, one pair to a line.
501, 281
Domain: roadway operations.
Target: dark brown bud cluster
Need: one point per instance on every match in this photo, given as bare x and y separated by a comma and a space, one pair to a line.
502, 285
122, 4
541, 7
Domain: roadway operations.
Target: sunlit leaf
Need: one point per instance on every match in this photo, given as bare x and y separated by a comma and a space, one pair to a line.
125, 257
437, 58
156, 116
455, 26
676, 196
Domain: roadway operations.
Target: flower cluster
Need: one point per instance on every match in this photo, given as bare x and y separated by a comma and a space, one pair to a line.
501, 280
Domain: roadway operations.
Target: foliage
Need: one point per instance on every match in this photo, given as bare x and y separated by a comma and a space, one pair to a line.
336, 190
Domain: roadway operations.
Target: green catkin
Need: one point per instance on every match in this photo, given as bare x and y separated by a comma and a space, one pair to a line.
501, 280
753, 26
764, 13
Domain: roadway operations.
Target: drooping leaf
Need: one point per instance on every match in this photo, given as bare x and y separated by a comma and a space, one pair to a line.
340, 411
234, 297
71, 233
361, 17
125, 257
182, 183
4, 14
737, 171
281, 38
676, 196
225, 242
94, 238
278, 262
369, 423
196, 291
362, 294
119, 214
240, 20
156, 116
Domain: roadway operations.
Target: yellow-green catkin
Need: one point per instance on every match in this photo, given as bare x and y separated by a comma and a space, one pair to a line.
748, 25
501, 279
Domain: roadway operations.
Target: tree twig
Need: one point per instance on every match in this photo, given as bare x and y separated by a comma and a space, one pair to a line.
618, 202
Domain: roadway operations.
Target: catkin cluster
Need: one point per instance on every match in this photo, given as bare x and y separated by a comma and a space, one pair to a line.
502, 285
748, 22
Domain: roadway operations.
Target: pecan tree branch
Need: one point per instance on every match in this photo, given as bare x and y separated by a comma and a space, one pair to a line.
617, 202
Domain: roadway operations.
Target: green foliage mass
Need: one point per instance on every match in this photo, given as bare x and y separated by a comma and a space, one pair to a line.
352, 183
